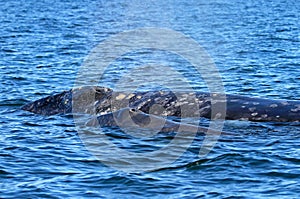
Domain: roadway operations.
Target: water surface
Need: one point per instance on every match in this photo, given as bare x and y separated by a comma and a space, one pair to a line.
254, 44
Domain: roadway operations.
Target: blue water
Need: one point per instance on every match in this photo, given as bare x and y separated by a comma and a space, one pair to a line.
254, 44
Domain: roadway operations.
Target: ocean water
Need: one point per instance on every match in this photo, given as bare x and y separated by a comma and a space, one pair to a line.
44, 44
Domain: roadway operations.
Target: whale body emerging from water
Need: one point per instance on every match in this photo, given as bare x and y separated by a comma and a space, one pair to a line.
98, 100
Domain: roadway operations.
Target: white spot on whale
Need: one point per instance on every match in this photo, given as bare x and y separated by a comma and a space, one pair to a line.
295, 109
244, 119
120, 97
252, 109
130, 96
264, 116
273, 105
218, 115
254, 114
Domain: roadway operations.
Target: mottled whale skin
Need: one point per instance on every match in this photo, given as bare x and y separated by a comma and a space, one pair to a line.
98, 100
130, 117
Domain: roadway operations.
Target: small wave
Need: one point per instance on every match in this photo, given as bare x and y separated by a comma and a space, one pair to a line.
13, 102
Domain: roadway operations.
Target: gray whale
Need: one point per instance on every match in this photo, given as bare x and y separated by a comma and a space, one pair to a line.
97, 100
